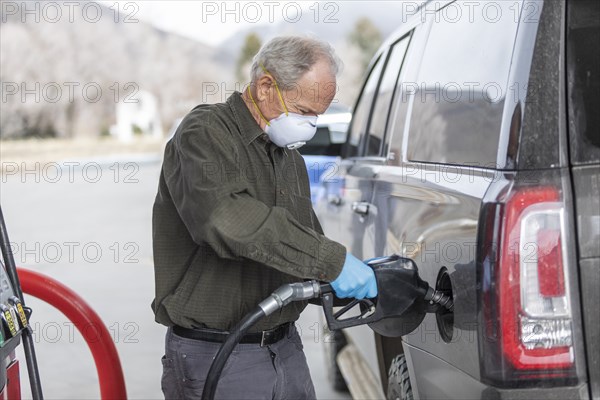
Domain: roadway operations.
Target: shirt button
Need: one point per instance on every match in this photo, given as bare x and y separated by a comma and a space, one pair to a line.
282, 191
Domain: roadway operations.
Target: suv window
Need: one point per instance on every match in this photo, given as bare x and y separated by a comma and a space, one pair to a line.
583, 69
360, 117
459, 94
385, 93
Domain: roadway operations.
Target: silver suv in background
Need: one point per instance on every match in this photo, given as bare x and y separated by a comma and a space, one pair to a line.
474, 149
321, 153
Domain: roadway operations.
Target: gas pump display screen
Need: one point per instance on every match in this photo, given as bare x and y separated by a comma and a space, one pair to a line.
6, 290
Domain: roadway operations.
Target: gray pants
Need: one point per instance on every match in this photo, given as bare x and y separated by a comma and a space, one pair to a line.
277, 371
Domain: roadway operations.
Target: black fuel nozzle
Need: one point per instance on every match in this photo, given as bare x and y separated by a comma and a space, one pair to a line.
402, 301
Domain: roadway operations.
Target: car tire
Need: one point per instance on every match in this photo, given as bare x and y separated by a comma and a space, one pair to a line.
398, 380
334, 343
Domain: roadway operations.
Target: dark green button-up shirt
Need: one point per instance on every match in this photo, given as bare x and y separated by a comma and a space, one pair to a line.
232, 221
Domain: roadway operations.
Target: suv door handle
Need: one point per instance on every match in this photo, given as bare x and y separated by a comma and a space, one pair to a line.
361, 207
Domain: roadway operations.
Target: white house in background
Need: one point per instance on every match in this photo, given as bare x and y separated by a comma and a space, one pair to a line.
139, 116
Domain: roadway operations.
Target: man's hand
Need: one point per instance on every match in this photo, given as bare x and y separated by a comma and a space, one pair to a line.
356, 280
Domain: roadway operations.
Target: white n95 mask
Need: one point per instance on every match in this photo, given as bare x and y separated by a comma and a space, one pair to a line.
291, 130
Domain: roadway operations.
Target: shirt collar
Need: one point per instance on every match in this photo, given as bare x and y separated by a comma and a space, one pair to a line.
248, 126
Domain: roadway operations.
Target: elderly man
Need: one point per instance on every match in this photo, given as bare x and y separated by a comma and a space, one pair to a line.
232, 221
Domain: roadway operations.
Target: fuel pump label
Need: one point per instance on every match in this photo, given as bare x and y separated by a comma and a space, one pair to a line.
10, 322
22, 315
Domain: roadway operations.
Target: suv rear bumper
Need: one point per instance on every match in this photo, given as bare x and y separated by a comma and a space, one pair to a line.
436, 379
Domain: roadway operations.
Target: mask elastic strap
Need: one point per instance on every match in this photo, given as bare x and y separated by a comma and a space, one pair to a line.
256, 105
276, 88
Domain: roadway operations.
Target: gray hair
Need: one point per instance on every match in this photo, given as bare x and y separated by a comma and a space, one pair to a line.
287, 58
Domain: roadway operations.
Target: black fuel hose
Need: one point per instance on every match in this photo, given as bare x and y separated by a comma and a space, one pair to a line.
214, 374
278, 299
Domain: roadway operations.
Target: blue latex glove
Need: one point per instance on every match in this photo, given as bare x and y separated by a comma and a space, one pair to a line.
356, 280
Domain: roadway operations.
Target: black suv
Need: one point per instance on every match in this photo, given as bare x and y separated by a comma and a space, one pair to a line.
474, 149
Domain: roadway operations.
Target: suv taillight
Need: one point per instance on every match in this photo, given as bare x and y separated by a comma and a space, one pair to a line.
525, 305
535, 314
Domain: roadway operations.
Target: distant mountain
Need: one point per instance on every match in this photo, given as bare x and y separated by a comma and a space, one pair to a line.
54, 70
385, 15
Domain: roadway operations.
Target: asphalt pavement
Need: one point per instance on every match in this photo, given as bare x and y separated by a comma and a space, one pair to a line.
88, 224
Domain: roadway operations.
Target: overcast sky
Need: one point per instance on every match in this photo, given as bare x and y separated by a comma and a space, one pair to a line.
214, 21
